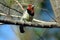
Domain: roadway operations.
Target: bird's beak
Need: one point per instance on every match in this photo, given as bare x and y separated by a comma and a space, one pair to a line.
32, 6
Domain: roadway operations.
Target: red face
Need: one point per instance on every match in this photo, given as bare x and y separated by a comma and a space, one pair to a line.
31, 8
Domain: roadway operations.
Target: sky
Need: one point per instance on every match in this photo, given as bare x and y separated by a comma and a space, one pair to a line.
6, 32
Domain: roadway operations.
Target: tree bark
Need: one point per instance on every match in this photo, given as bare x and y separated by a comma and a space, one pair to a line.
30, 24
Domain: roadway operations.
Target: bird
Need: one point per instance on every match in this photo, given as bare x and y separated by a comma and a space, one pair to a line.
27, 16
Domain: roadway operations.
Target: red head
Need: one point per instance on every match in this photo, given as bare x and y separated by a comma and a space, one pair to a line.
30, 7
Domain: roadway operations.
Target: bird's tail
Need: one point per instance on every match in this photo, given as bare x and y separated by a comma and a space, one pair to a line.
21, 29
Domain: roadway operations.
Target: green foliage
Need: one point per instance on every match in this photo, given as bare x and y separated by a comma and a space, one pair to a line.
39, 31
41, 4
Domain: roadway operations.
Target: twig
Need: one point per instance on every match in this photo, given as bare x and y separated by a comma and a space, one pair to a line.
19, 4
11, 8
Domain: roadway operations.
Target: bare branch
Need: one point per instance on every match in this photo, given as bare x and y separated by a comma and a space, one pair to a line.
39, 23
56, 8
11, 8
35, 20
29, 24
19, 4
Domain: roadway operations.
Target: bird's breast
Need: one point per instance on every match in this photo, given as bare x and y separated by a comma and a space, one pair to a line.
26, 16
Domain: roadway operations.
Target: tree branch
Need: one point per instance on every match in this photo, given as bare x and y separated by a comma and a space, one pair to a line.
34, 20
19, 4
11, 8
29, 24
35, 23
